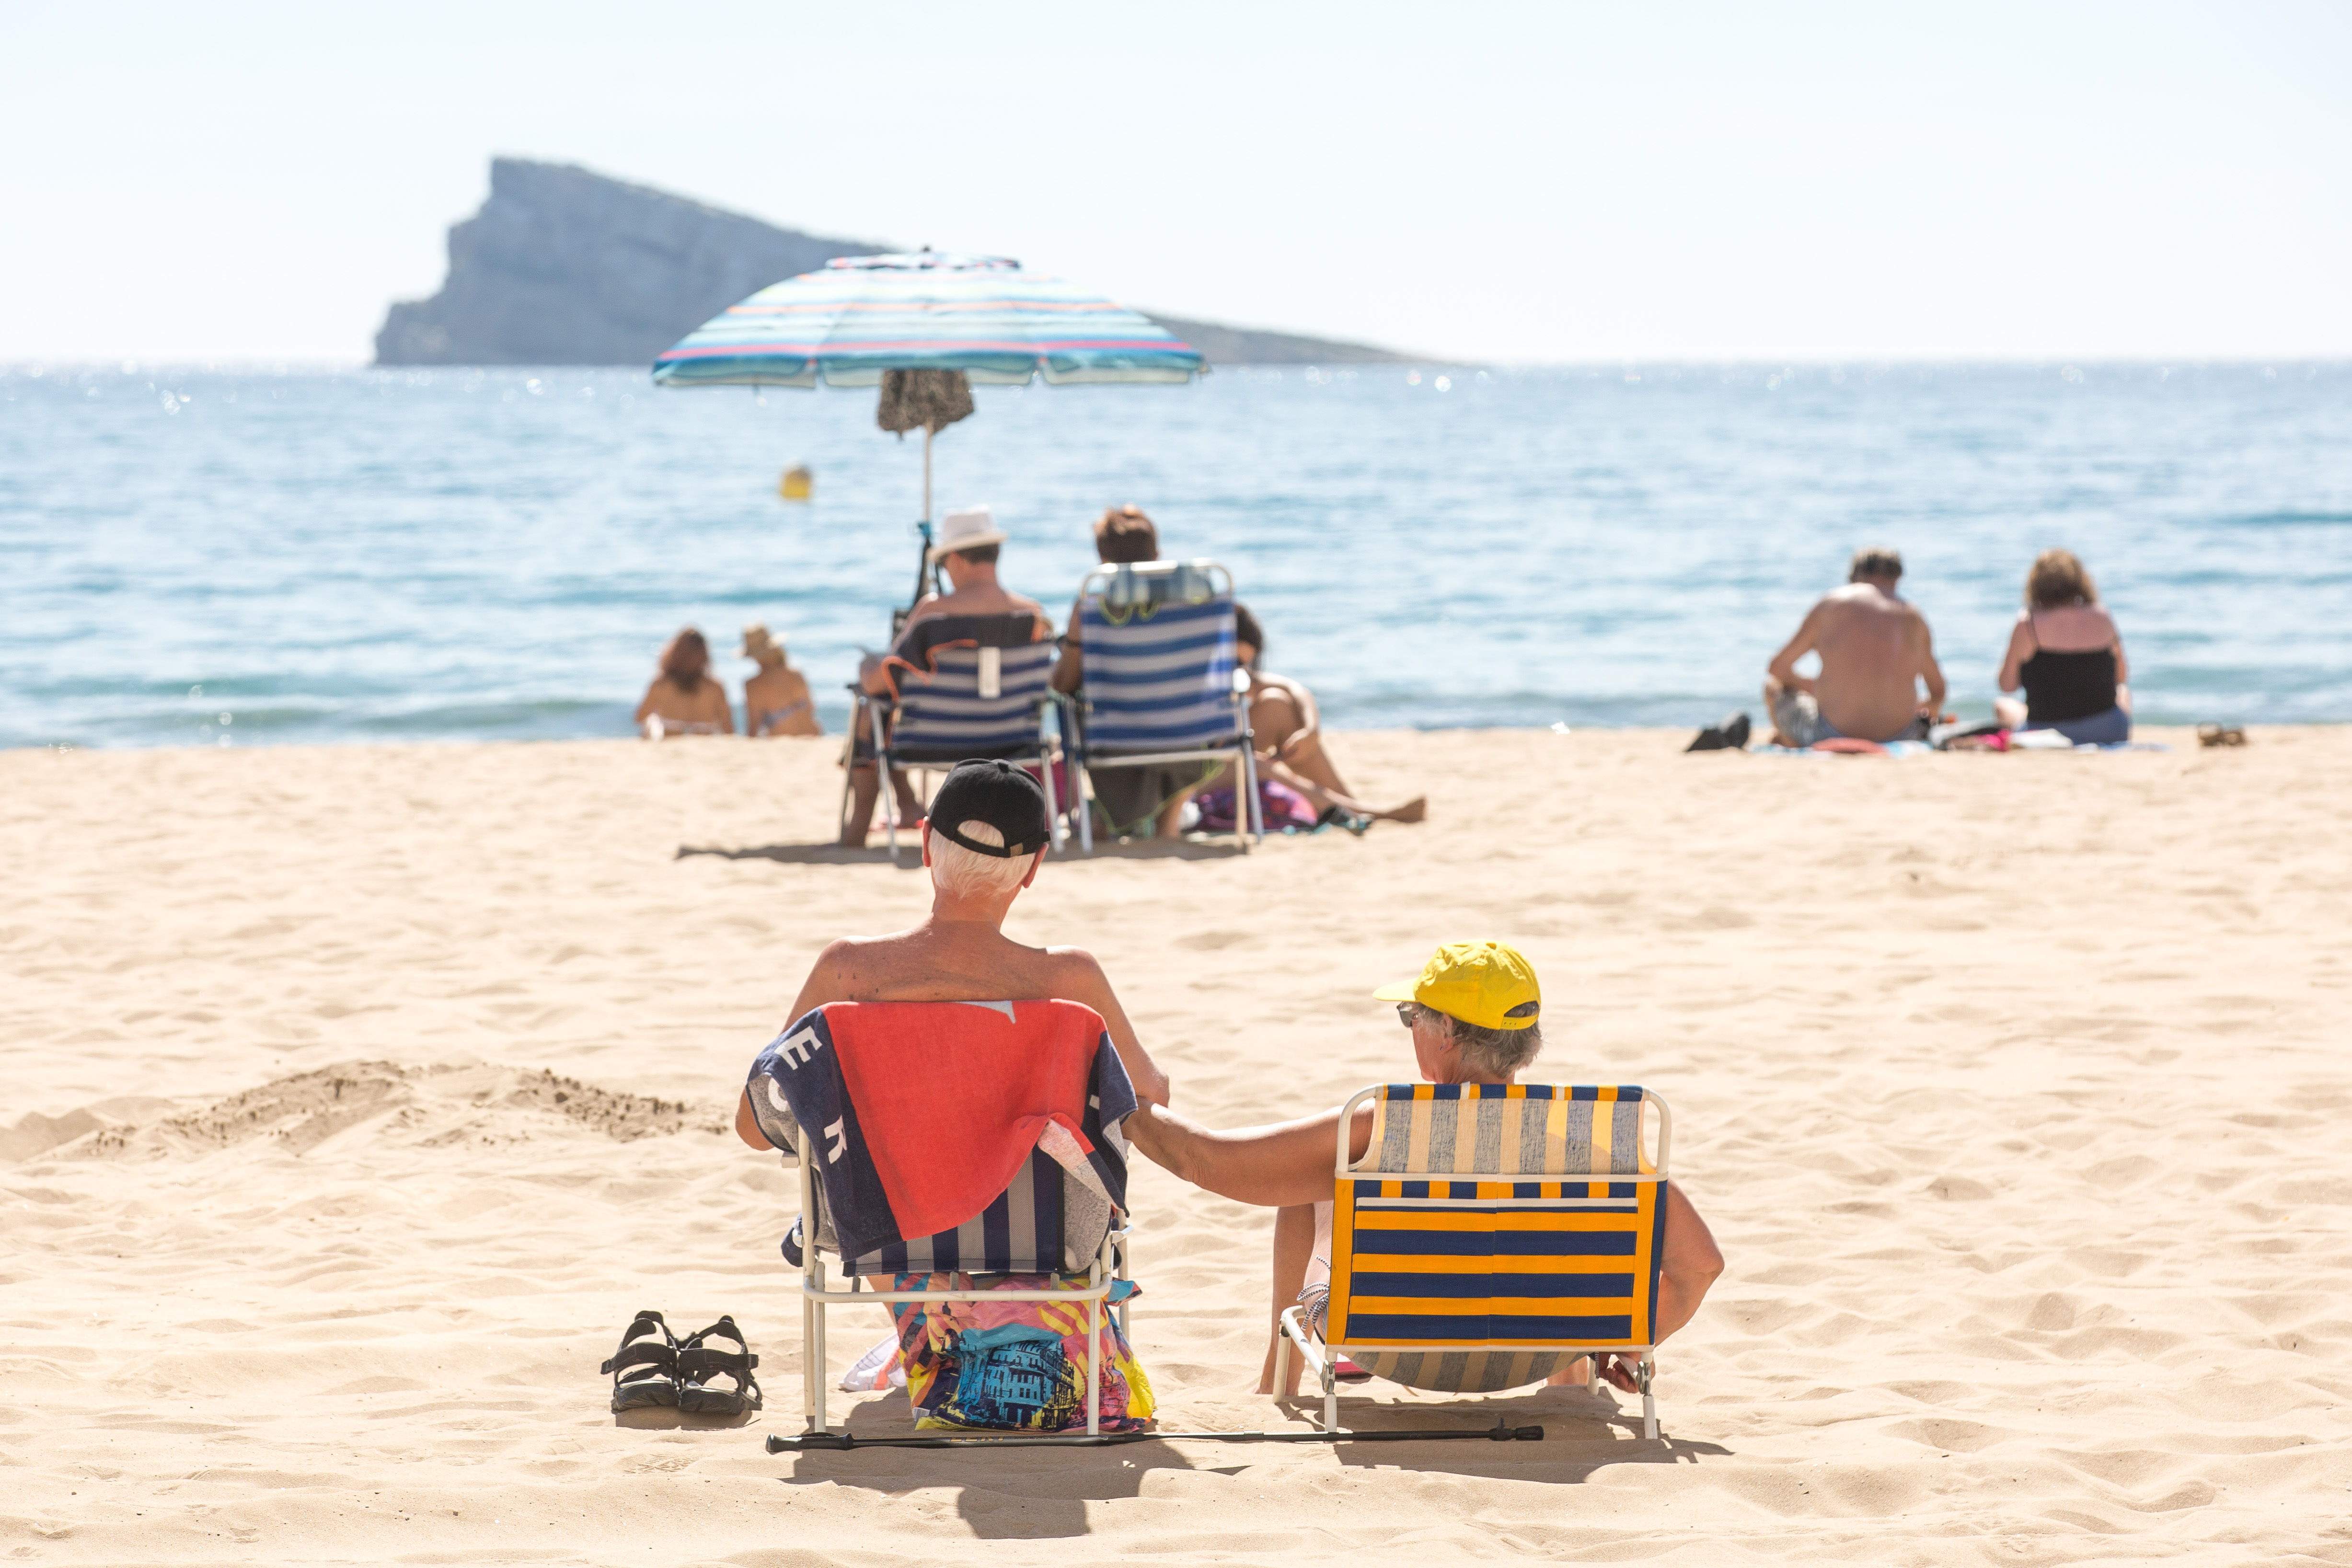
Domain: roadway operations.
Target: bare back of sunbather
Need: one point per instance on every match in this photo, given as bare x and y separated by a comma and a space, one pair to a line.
1875, 652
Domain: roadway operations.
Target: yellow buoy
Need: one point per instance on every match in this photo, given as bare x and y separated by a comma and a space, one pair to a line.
797, 483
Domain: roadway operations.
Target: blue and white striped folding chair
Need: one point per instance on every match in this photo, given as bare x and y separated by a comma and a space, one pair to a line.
963, 686
1044, 1223
1158, 679
1472, 1250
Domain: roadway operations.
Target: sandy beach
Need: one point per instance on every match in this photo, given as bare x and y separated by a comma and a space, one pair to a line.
358, 1096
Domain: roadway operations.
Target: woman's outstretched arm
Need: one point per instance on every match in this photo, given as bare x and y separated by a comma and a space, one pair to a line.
1688, 1263
1276, 1167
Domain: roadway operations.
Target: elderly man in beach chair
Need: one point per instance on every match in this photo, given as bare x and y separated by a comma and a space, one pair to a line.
964, 1162
983, 844
1452, 1231
968, 675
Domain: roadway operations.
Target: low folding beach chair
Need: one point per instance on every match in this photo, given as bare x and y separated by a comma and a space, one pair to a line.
962, 687
1062, 1213
1157, 681
1472, 1251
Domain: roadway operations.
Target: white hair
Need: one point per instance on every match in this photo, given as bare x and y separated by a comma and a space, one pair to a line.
967, 873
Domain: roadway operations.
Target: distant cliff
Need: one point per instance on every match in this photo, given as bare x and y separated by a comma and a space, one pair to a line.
562, 266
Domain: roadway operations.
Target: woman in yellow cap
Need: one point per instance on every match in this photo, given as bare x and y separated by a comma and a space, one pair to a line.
1476, 1013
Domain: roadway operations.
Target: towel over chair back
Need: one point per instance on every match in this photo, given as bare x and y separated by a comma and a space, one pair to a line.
969, 686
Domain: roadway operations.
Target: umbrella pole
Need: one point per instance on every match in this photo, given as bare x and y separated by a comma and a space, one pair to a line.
927, 473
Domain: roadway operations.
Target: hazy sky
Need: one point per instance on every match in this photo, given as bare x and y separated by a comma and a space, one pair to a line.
1506, 182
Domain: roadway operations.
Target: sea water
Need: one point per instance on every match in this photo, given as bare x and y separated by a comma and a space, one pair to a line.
191, 556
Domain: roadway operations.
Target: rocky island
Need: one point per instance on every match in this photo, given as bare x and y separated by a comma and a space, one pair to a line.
564, 266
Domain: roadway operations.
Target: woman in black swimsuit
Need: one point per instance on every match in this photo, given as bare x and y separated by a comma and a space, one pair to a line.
2066, 654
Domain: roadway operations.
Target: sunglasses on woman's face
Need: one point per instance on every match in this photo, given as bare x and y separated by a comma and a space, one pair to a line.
1407, 1011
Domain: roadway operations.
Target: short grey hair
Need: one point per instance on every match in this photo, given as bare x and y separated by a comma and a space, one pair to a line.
967, 873
1874, 561
1497, 1053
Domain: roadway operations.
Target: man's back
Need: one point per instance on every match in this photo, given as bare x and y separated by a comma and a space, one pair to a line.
989, 598
1871, 645
1875, 650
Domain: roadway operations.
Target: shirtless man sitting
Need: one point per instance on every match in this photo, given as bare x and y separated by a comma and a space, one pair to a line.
967, 550
983, 844
1875, 650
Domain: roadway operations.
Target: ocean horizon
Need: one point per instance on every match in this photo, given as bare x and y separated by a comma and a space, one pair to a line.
325, 555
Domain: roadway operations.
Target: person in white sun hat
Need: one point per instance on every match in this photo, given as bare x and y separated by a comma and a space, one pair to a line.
966, 549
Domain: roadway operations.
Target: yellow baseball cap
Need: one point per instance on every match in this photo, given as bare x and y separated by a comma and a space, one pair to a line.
1481, 983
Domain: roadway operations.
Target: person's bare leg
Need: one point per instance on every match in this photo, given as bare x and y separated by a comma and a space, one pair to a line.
2010, 712
1307, 757
1308, 761
1170, 823
1771, 712
1293, 1249
1322, 799
910, 810
863, 795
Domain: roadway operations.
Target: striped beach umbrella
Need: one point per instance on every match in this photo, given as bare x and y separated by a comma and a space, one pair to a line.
978, 318
858, 316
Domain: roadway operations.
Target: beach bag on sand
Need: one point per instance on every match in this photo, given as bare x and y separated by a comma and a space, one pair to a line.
1283, 808
1012, 1366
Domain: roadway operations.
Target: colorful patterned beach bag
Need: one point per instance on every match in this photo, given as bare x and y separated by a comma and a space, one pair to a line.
1012, 1366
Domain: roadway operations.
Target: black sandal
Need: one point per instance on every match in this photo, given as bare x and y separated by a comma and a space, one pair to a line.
698, 1364
644, 1367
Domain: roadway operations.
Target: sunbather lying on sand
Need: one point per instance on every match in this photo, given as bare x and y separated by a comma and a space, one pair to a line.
1473, 1017
1289, 737
983, 844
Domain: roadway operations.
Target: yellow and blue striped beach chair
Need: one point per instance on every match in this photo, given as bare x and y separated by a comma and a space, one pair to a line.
1491, 1235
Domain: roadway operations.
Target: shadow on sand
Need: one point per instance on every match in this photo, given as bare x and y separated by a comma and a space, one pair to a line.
1044, 1493
910, 857
826, 854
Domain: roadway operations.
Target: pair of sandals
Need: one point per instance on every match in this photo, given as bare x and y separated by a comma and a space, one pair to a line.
2220, 735
697, 1373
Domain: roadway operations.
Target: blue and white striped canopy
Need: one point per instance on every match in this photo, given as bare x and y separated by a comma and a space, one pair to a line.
860, 315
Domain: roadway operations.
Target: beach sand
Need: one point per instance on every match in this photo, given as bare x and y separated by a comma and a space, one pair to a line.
357, 1097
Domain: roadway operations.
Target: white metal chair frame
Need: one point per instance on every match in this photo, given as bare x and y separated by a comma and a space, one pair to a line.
1249, 819
1295, 1333
1108, 1271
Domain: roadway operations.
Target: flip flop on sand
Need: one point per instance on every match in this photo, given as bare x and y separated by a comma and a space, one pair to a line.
1731, 735
2220, 735
717, 1381
645, 1368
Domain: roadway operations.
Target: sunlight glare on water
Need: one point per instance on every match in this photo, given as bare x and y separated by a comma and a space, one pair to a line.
191, 556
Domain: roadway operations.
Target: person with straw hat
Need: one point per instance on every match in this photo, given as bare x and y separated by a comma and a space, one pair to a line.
776, 698
966, 550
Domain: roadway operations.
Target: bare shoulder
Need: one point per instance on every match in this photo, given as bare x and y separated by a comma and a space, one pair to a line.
835, 959
1076, 976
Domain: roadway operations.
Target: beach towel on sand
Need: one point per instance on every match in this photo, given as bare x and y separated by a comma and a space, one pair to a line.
924, 1113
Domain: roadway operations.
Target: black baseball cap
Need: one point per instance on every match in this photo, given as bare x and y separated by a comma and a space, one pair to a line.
1006, 797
